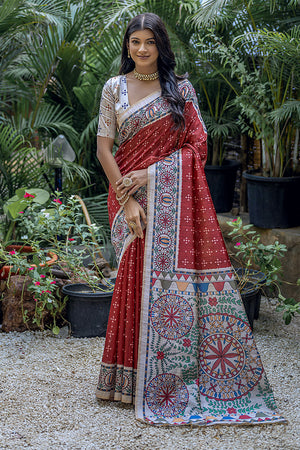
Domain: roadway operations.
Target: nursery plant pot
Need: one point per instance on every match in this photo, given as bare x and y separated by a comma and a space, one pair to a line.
251, 292
273, 202
251, 300
6, 270
221, 182
87, 311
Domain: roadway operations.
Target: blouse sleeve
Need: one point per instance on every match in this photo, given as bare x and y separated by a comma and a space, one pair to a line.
107, 117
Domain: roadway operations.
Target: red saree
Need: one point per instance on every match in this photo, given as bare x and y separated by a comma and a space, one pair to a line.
178, 342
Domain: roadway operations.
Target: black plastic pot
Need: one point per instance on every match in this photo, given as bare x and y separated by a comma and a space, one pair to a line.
251, 300
251, 292
87, 311
221, 182
273, 202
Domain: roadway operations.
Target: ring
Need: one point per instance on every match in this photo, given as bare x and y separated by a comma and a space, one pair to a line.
127, 182
132, 224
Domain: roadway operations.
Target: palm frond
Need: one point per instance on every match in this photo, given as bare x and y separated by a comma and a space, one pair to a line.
97, 208
290, 109
19, 163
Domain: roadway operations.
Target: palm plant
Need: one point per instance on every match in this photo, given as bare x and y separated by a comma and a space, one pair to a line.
37, 62
266, 66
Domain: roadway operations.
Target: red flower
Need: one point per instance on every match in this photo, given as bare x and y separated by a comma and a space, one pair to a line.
234, 220
43, 276
238, 244
21, 212
160, 355
49, 292
31, 268
56, 200
71, 239
37, 283
26, 195
186, 342
53, 282
12, 252
213, 301
231, 410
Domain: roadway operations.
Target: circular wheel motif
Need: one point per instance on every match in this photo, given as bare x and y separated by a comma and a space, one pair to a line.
221, 356
166, 220
162, 261
230, 365
171, 316
167, 395
167, 179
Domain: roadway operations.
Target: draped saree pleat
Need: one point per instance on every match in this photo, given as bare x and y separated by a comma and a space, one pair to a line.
178, 342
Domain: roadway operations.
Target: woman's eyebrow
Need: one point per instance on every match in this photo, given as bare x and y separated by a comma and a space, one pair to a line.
138, 39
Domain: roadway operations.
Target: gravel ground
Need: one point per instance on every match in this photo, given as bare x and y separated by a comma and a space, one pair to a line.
47, 397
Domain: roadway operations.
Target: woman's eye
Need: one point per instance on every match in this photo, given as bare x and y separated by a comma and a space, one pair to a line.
151, 42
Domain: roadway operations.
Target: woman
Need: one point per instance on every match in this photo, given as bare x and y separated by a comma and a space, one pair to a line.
178, 342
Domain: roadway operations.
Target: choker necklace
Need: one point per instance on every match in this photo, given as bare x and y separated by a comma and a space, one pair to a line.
143, 77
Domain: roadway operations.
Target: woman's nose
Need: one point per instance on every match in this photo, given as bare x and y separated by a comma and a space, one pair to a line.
142, 47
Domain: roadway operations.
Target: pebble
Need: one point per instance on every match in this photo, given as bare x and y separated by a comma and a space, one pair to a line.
47, 399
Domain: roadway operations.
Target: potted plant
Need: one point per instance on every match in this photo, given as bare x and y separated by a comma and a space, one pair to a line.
257, 269
62, 228
268, 99
219, 115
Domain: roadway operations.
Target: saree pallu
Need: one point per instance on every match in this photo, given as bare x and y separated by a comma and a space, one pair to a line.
178, 342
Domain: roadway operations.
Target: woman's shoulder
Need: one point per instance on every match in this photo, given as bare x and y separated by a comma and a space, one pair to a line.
112, 85
186, 89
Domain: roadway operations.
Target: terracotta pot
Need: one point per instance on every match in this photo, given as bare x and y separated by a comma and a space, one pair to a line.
6, 270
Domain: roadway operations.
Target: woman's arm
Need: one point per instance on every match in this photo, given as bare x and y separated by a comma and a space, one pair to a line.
133, 211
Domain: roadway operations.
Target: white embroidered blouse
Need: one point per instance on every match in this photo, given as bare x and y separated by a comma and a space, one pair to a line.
114, 102
115, 107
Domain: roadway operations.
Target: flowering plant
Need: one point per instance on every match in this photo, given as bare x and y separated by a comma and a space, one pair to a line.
61, 228
41, 284
253, 255
18, 205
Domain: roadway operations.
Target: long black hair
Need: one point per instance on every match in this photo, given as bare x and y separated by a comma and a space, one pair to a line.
165, 63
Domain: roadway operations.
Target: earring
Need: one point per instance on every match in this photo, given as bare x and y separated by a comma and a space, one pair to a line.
128, 54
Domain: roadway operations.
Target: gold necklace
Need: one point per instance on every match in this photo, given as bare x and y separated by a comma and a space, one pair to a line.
145, 77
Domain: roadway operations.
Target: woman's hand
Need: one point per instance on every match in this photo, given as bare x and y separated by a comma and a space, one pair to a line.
134, 214
139, 179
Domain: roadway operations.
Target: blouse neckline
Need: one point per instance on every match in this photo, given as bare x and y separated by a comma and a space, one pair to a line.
141, 100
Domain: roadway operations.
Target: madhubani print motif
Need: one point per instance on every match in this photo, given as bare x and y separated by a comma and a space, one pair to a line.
154, 111
198, 363
117, 382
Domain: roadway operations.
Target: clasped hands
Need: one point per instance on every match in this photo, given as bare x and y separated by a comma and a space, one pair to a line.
134, 213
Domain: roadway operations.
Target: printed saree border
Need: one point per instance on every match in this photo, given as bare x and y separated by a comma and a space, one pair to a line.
167, 380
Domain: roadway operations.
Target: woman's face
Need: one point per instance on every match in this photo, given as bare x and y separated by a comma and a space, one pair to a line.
143, 51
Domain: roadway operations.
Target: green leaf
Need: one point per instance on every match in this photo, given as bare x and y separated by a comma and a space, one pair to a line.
55, 330
15, 207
